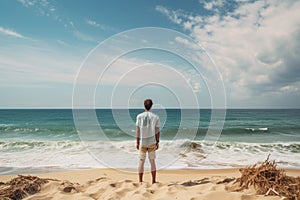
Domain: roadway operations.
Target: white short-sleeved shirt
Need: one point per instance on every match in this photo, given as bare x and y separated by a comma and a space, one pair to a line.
148, 122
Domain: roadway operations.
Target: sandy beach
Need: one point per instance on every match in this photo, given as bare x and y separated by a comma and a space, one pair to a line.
123, 184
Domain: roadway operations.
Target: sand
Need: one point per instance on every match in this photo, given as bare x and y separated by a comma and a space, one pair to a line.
123, 184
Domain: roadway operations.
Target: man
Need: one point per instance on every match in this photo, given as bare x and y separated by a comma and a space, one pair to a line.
147, 138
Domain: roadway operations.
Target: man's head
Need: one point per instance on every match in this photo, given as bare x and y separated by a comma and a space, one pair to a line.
148, 104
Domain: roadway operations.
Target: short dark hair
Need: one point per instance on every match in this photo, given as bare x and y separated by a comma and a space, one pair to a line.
148, 104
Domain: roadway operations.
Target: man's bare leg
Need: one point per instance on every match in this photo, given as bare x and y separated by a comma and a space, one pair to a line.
141, 169
153, 170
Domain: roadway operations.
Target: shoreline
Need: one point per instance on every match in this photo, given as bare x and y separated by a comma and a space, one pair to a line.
43, 171
123, 184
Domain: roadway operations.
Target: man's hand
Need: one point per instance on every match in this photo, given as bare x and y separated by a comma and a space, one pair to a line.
157, 145
137, 146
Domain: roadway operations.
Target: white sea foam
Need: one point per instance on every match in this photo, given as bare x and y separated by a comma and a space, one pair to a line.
257, 129
122, 154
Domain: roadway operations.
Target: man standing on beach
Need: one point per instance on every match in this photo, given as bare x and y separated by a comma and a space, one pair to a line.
147, 138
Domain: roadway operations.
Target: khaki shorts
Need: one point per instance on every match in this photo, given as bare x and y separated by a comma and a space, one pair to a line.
150, 149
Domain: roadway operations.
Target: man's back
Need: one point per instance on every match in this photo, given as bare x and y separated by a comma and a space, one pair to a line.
148, 123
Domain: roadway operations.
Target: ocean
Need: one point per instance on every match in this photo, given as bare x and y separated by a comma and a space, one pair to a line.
46, 140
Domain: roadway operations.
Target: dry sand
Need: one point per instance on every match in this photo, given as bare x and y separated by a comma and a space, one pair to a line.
123, 184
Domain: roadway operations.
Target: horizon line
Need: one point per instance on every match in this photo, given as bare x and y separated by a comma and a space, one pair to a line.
70, 108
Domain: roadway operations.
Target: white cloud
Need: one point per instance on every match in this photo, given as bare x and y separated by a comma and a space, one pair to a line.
291, 88
92, 23
27, 3
132, 71
42, 7
10, 32
83, 36
256, 46
35, 73
174, 16
187, 43
61, 42
97, 25
23, 65
212, 4
197, 87
71, 24
208, 5
49, 8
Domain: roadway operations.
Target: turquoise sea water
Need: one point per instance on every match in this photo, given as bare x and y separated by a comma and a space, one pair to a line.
32, 139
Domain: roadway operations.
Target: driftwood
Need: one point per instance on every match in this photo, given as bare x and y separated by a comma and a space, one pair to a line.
20, 187
270, 181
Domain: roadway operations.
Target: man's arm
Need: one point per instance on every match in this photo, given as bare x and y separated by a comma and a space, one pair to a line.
138, 137
157, 136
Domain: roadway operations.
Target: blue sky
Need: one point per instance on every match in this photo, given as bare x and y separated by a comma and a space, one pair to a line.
253, 44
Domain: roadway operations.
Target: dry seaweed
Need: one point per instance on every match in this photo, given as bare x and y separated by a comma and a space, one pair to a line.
196, 182
270, 181
20, 187
226, 180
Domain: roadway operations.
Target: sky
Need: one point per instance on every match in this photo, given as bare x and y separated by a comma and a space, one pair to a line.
197, 53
